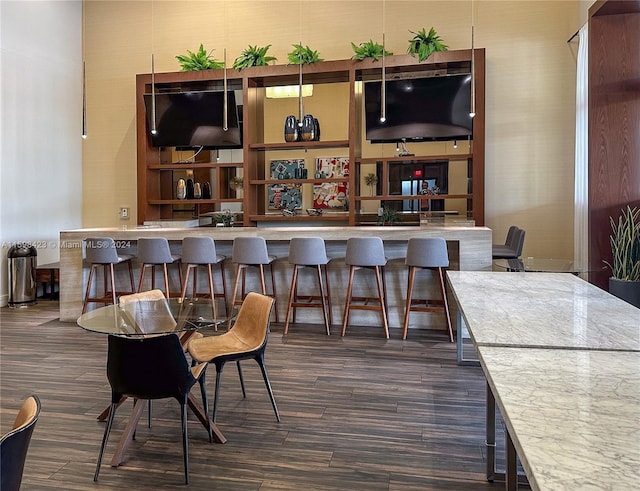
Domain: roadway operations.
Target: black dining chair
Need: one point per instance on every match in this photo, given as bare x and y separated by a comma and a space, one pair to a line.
15, 443
147, 368
246, 340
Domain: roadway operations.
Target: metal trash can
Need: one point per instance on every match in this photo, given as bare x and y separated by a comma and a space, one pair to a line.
22, 260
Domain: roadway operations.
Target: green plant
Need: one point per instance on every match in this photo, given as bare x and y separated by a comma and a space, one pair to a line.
369, 50
423, 44
253, 56
625, 245
201, 60
301, 55
387, 216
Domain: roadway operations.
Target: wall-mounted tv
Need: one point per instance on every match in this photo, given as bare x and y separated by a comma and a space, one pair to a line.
432, 108
194, 119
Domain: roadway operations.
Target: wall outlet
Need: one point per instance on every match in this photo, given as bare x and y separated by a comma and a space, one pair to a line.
124, 213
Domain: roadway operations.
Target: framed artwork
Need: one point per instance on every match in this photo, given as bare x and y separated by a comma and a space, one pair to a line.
285, 169
331, 194
285, 196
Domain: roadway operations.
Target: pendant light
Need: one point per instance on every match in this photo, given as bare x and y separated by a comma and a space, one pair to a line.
84, 82
154, 129
472, 109
383, 85
225, 122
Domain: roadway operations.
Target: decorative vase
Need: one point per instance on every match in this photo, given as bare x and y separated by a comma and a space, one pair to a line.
291, 129
206, 190
629, 291
189, 191
181, 189
308, 128
197, 191
316, 126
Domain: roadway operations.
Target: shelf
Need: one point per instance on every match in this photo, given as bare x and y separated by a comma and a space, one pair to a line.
192, 165
414, 158
303, 217
300, 181
300, 145
193, 201
397, 197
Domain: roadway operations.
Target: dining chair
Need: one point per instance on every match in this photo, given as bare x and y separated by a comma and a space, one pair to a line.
513, 244
247, 339
15, 443
149, 368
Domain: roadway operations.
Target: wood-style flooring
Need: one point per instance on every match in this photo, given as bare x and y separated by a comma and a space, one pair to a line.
358, 413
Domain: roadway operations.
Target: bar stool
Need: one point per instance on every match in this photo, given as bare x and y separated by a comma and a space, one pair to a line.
102, 252
366, 253
154, 251
426, 253
201, 251
309, 252
247, 252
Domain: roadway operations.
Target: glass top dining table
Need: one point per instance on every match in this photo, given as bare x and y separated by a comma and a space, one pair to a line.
143, 318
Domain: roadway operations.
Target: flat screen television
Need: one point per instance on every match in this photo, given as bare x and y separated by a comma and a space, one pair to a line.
194, 119
419, 109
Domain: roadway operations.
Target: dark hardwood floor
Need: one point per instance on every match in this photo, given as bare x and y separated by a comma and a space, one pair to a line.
358, 413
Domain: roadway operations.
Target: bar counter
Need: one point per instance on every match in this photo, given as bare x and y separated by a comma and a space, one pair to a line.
469, 250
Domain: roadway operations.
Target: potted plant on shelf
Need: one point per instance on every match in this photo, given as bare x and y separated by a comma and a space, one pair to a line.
201, 60
369, 49
302, 55
423, 44
253, 56
371, 180
625, 247
387, 216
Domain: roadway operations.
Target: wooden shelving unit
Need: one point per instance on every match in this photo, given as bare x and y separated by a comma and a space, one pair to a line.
156, 172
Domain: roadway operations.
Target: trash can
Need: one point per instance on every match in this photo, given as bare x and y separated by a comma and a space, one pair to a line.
22, 275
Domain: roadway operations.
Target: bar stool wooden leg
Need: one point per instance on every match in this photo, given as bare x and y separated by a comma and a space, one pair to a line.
275, 295
382, 297
323, 299
113, 284
446, 303
292, 298
407, 308
347, 304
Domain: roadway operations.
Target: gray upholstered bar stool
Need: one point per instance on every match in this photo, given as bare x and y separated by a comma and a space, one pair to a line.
201, 251
366, 253
155, 251
251, 252
102, 252
426, 253
309, 252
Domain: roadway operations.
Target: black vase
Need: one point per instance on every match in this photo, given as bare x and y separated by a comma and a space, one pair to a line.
189, 189
308, 128
291, 129
206, 190
316, 126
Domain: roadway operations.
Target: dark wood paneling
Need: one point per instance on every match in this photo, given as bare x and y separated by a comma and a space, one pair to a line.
359, 412
614, 127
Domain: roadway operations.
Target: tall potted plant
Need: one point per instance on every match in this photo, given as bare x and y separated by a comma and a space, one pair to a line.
625, 247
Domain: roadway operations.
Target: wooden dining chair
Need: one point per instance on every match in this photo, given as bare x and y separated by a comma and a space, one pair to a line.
148, 368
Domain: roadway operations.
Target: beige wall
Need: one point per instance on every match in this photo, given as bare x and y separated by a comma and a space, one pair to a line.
530, 87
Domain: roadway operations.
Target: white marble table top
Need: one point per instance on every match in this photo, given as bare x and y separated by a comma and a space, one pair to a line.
550, 310
574, 415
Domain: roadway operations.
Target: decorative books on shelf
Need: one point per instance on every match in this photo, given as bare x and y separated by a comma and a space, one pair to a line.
331, 194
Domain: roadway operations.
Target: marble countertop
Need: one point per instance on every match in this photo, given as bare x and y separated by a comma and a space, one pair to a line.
552, 310
574, 414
